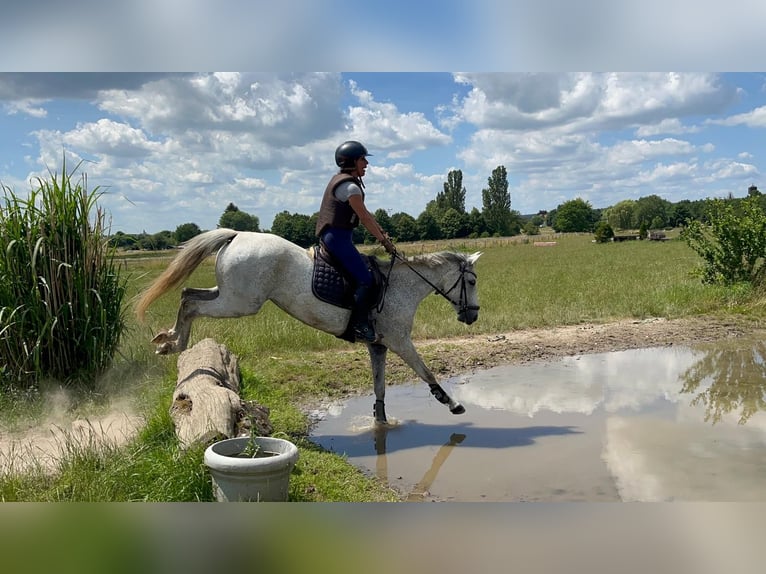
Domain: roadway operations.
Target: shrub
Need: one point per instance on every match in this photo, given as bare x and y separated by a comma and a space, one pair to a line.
603, 232
60, 290
733, 245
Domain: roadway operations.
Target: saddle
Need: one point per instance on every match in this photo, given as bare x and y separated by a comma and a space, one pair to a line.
330, 283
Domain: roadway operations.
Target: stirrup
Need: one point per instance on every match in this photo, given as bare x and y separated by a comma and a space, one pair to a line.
365, 332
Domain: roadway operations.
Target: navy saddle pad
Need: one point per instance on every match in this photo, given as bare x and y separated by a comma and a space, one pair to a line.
335, 287
328, 284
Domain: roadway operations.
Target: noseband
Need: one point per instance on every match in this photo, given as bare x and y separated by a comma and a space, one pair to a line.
462, 302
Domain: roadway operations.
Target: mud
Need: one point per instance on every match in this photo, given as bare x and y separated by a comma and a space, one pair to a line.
618, 411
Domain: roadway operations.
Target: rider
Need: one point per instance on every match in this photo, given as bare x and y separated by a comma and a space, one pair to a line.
341, 211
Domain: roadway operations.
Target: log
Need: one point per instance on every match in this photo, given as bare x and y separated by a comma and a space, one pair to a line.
206, 403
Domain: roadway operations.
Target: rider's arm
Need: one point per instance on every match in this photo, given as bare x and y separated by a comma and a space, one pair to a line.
366, 218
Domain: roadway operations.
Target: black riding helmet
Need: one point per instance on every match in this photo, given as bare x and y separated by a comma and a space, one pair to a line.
348, 152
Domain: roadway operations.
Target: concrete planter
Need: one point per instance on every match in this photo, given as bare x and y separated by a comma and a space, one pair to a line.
263, 478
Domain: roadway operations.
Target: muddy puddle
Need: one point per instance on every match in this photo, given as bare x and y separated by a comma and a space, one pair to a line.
660, 424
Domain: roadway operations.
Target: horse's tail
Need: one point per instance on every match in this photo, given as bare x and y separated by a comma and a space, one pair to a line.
194, 252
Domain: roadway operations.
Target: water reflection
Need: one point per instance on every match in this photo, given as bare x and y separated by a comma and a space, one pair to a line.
631, 425
420, 490
728, 378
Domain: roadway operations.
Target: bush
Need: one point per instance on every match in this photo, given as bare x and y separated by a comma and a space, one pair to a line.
603, 232
60, 291
733, 245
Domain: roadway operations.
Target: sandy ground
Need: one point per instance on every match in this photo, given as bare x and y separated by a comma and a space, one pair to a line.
454, 356
42, 447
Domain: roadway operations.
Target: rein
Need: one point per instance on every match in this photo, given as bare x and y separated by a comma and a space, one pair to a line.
462, 303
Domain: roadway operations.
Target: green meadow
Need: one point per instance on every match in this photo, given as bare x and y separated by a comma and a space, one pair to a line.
289, 367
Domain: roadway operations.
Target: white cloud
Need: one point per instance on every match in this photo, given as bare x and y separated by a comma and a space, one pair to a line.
754, 119
28, 107
671, 126
272, 109
588, 101
397, 133
637, 151
107, 137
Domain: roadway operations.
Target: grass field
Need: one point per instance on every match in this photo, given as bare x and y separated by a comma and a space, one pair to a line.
286, 364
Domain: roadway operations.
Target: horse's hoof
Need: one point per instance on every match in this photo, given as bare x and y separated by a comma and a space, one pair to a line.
161, 337
164, 349
379, 412
458, 410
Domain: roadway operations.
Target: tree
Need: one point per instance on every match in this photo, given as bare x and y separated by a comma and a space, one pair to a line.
651, 210
384, 220
295, 227
405, 227
428, 226
476, 224
680, 213
122, 241
453, 224
158, 241
575, 215
238, 220
186, 231
620, 215
453, 195
496, 201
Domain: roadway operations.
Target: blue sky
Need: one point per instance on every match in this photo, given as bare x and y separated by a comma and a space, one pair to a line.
169, 149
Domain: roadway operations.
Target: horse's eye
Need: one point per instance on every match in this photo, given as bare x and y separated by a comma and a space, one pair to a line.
472, 282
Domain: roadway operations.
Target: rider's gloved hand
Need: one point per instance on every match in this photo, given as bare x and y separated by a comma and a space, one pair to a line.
388, 245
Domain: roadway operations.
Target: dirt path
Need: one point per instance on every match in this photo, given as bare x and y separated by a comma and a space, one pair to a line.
453, 356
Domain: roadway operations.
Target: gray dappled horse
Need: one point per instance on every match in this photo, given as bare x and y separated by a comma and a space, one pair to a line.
252, 268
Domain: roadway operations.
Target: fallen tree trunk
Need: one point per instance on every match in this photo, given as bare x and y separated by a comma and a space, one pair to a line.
206, 402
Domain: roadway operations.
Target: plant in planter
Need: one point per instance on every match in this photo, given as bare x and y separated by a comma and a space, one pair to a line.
261, 475
251, 468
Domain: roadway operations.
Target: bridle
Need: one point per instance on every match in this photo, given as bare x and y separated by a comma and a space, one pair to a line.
462, 302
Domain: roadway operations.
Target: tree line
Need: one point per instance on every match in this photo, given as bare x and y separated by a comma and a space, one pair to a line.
446, 217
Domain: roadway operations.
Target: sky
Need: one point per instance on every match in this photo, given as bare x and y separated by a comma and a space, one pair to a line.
167, 149
90, 84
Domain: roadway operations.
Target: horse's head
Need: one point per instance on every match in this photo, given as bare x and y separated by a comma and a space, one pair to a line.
463, 294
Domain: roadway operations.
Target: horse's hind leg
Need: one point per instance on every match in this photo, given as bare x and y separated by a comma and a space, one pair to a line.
177, 338
378, 363
406, 350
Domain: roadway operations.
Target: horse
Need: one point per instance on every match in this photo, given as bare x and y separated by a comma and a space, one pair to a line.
253, 267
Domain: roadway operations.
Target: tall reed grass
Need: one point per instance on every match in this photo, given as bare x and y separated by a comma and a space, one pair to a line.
61, 293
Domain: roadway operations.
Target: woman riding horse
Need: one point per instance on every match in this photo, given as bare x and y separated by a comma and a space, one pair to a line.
341, 211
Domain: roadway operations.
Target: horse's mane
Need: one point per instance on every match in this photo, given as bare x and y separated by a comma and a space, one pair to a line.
436, 259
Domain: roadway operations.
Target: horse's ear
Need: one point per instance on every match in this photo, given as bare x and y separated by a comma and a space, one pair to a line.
474, 257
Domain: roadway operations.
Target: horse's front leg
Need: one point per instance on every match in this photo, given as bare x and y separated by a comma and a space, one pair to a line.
378, 363
406, 350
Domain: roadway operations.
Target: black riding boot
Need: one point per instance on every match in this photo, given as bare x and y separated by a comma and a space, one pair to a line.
360, 315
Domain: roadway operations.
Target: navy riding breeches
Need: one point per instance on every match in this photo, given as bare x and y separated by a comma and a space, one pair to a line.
339, 242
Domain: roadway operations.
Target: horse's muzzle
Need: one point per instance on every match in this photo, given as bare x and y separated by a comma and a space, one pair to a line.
468, 316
